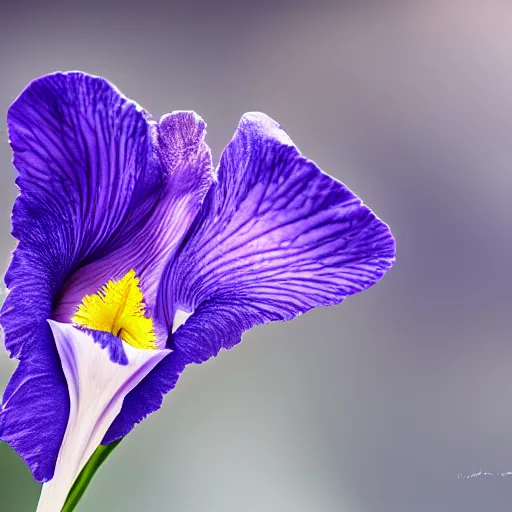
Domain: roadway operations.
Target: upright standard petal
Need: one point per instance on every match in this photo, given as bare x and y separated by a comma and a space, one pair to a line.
85, 162
179, 143
100, 370
276, 237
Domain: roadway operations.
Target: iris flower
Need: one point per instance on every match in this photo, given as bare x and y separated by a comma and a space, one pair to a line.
136, 257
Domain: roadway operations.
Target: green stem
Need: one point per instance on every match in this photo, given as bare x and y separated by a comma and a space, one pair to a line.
87, 474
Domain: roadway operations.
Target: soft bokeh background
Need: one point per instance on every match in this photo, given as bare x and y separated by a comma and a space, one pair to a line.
375, 405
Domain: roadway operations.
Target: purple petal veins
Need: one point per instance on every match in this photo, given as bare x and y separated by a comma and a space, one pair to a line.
275, 238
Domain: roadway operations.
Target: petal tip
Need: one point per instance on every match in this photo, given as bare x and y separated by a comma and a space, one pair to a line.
182, 148
183, 127
263, 125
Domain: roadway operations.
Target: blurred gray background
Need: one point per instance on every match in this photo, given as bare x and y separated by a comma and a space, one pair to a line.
380, 403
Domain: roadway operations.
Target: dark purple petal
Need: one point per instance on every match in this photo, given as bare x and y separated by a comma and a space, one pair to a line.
84, 157
112, 343
35, 406
276, 238
147, 397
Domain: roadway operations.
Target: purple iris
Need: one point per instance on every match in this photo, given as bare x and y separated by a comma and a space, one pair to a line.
105, 190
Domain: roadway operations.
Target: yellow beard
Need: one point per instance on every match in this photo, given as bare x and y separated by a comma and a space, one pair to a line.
118, 307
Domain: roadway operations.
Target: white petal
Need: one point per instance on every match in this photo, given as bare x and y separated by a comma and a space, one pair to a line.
180, 318
97, 387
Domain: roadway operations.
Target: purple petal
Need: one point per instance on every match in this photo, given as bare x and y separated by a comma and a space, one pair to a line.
186, 158
35, 406
102, 190
84, 157
277, 237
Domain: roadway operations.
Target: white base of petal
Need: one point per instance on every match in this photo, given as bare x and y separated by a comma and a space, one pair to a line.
97, 387
180, 318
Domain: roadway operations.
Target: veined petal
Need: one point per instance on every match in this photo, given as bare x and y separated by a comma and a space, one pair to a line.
186, 158
84, 159
100, 371
35, 406
276, 238
103, 190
